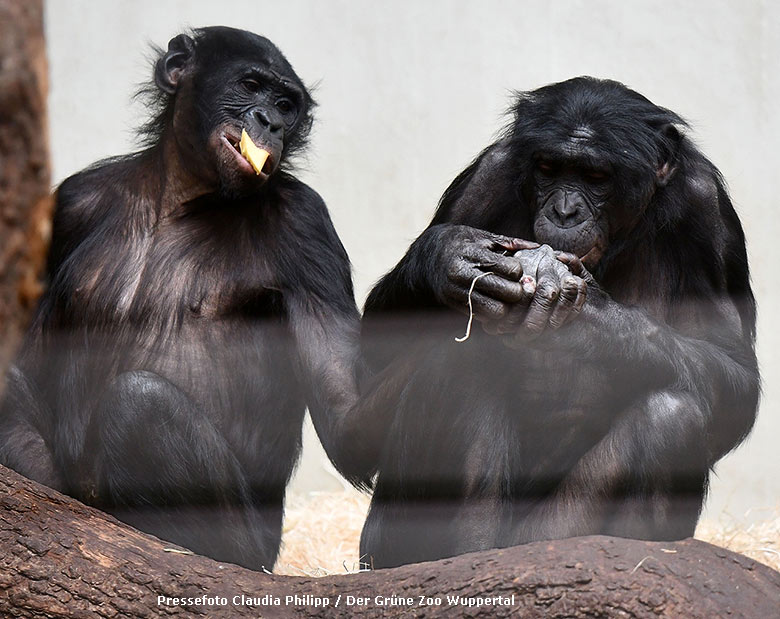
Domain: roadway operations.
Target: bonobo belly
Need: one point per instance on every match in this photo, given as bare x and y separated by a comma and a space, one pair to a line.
241, 375
530, 385
557, 385
544, 408
238, 378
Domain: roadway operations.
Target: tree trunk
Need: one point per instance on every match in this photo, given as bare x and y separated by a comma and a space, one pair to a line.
61, 558
25, 203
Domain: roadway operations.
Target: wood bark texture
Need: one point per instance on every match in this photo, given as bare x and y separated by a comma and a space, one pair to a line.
60, 558
25, 201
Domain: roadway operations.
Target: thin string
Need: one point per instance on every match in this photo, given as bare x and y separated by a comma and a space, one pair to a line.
471, 308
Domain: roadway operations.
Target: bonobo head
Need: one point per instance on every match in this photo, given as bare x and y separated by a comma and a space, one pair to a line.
593, 154
213, 83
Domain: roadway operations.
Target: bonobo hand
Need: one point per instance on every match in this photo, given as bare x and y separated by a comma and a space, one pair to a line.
462, 256
561, 284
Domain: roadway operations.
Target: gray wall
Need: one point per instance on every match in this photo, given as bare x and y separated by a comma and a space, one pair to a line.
410, 91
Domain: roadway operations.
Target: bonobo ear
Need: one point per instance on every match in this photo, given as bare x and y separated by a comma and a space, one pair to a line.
669, 139
169, 68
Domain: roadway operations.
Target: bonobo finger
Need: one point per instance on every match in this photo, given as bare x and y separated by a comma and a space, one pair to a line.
484, 308
508, 243
463, 274
493, 327
504, 290
520, 244
460, 271
497, 327
513, 320
505, 266
568, 258
547, 293
518, 308
488, 260
487, 309
548, 268
566, 308
582, 294
537, 261
575, 265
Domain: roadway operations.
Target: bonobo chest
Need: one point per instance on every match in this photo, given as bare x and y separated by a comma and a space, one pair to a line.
183, 269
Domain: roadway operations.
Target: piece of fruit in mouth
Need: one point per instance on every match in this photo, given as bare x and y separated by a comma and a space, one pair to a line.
255, 155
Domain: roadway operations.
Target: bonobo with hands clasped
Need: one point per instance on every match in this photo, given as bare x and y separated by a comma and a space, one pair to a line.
616, 361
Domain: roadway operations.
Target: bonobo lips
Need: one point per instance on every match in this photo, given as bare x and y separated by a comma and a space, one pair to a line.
586, 240
591, 258
232, 141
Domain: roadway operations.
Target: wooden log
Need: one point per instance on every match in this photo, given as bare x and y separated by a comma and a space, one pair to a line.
61, 558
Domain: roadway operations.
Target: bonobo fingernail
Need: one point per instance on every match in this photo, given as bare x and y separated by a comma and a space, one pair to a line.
528, 283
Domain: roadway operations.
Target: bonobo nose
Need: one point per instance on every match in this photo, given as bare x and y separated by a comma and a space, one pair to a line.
567, 208
268, 122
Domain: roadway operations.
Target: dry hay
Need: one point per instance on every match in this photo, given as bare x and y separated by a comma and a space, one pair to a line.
759, 540
322, 534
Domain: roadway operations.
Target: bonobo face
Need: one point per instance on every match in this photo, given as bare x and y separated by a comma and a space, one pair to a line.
572, 188
230, 81
267, 106
592, 154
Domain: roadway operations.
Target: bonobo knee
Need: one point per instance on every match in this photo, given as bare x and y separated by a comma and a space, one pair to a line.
140, 410
142, 397
674, 415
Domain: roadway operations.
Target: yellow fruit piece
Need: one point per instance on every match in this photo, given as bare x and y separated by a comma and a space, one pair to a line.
254, 155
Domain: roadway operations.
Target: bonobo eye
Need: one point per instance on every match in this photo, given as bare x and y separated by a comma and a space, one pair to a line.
250, 84
285, 106
545, 167
596, 176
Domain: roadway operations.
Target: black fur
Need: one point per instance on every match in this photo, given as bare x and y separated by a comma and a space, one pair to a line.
607, 424
170, 362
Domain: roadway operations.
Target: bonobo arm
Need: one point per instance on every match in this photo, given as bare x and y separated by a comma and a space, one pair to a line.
692, 388
705, 351
440, 265
460, 257
350, 406
351, 409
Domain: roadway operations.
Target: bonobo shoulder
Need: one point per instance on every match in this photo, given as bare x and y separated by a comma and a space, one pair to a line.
497, 156
78, 197
83, 187
299, 192
708, 201
308, 219
702, 184
497, 153
304, 204
76, 187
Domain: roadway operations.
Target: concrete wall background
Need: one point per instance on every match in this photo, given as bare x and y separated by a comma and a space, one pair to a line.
411, 91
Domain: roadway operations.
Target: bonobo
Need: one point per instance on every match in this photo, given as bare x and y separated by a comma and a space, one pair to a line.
195, 307
616, 361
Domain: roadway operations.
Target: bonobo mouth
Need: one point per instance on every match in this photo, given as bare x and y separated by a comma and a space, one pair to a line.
591, 258
233, 141
586, 240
